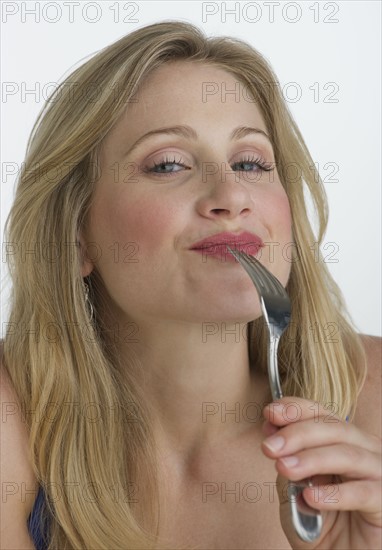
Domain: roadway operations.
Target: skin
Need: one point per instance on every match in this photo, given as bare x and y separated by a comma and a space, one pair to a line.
170, 294
321, 445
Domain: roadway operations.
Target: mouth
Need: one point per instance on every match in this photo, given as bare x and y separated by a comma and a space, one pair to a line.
216, 245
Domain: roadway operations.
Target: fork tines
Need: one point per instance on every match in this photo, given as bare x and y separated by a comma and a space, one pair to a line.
263, 279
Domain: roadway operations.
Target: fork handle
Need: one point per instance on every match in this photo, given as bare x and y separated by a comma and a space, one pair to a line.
307, 521
273, 372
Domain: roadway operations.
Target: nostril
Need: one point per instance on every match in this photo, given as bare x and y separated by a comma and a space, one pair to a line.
217, 210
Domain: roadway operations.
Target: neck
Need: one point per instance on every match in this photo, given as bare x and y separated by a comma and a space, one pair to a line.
198, 382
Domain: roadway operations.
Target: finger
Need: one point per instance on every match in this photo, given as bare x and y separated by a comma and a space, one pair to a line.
363, 495
269, 428
293, 409
345, 460
309, 433
313, 481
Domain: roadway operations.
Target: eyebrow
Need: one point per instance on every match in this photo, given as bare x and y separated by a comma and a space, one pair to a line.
188, 132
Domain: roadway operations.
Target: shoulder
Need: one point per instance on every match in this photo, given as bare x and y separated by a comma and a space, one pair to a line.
368, 414
18, 482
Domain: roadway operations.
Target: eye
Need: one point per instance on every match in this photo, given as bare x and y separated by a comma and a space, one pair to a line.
262, 165
167, 166
160, 168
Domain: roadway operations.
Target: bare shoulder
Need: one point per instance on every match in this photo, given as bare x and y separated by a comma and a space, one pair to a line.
368, 415
18, 481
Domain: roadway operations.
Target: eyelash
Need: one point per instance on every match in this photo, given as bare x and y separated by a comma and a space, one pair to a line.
151, 169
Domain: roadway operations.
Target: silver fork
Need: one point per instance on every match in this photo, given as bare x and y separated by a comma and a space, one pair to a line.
276, 308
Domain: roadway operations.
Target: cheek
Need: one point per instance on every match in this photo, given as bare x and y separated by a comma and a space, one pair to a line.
276, 211
284, 214
147, 222
140, 224
134, 235
277, 253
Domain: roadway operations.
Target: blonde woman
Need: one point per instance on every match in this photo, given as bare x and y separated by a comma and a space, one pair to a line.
134, 370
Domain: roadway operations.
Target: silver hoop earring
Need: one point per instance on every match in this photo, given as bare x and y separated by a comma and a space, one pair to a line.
89, 305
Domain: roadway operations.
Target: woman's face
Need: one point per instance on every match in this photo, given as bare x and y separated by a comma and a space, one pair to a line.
145, 219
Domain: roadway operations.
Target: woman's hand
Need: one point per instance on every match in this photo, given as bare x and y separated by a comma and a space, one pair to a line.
344, 463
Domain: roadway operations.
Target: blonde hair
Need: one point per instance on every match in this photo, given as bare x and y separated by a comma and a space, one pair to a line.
69, 363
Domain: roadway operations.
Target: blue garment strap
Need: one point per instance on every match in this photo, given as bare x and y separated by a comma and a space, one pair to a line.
38, 524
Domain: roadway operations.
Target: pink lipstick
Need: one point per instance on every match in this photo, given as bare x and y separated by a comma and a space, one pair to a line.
215, 245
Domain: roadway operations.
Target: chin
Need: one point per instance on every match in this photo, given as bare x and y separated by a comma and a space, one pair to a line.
233, 316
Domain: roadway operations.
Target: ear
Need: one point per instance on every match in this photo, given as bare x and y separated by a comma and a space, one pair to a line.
87, 265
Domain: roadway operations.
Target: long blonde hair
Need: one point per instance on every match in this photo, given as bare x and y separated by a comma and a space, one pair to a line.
59, 362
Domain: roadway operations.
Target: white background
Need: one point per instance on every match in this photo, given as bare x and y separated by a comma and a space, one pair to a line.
306, 43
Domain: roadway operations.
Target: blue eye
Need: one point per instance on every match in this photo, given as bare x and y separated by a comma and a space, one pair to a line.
259, 162
159, 168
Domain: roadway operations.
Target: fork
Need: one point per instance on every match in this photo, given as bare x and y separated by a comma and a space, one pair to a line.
276, 308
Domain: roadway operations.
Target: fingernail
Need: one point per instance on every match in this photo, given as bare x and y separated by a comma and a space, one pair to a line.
275, 443
289, 461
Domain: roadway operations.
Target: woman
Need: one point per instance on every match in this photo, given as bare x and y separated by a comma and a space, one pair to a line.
138, 397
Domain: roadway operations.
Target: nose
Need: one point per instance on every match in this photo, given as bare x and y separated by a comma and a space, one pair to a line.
224, 194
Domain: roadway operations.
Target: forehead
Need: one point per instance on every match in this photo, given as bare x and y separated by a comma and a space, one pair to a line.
193, 93
192, 78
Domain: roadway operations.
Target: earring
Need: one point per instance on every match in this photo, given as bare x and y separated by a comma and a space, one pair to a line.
89, 305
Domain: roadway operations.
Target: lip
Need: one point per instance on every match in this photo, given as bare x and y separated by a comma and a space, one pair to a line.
216, 245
